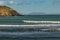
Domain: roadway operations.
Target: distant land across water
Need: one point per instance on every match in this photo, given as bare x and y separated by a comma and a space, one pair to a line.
42, 13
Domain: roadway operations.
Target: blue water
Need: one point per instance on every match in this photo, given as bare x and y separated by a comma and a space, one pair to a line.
22, 33
18, 33
29, 35
18, 19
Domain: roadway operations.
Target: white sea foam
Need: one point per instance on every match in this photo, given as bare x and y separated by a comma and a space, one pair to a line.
29, 21
36, 25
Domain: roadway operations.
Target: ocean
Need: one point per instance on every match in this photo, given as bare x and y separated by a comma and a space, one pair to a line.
28, 33
19, 19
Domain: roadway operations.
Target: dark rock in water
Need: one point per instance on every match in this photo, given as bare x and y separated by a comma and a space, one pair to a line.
7, 11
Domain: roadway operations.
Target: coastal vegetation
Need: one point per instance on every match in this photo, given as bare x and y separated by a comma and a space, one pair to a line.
7, 11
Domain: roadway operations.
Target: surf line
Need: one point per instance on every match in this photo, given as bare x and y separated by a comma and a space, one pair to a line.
30, 25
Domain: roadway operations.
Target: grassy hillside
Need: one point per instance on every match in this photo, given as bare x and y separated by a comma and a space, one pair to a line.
7, 11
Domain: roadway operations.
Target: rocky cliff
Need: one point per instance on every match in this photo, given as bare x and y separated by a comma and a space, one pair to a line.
7, 11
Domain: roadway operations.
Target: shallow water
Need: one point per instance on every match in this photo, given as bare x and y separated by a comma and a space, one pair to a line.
30, 35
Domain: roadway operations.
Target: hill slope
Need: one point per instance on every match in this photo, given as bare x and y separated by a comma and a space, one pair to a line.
7, 11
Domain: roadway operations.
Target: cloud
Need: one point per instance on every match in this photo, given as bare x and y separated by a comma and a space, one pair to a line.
12, 3
2, 3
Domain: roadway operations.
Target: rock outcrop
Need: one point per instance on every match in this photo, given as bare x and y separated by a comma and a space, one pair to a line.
7, 11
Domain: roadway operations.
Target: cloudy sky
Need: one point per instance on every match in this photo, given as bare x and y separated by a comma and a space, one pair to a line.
29, 6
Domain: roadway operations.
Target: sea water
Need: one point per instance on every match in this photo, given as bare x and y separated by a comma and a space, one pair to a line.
19, 19
28, 33
22, 33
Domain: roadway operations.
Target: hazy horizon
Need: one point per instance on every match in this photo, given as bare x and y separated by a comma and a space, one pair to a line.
30, 6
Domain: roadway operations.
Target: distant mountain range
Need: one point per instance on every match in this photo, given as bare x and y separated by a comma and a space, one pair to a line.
37, 13
43, 13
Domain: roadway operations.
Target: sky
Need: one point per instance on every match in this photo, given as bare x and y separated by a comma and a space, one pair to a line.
32, 6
